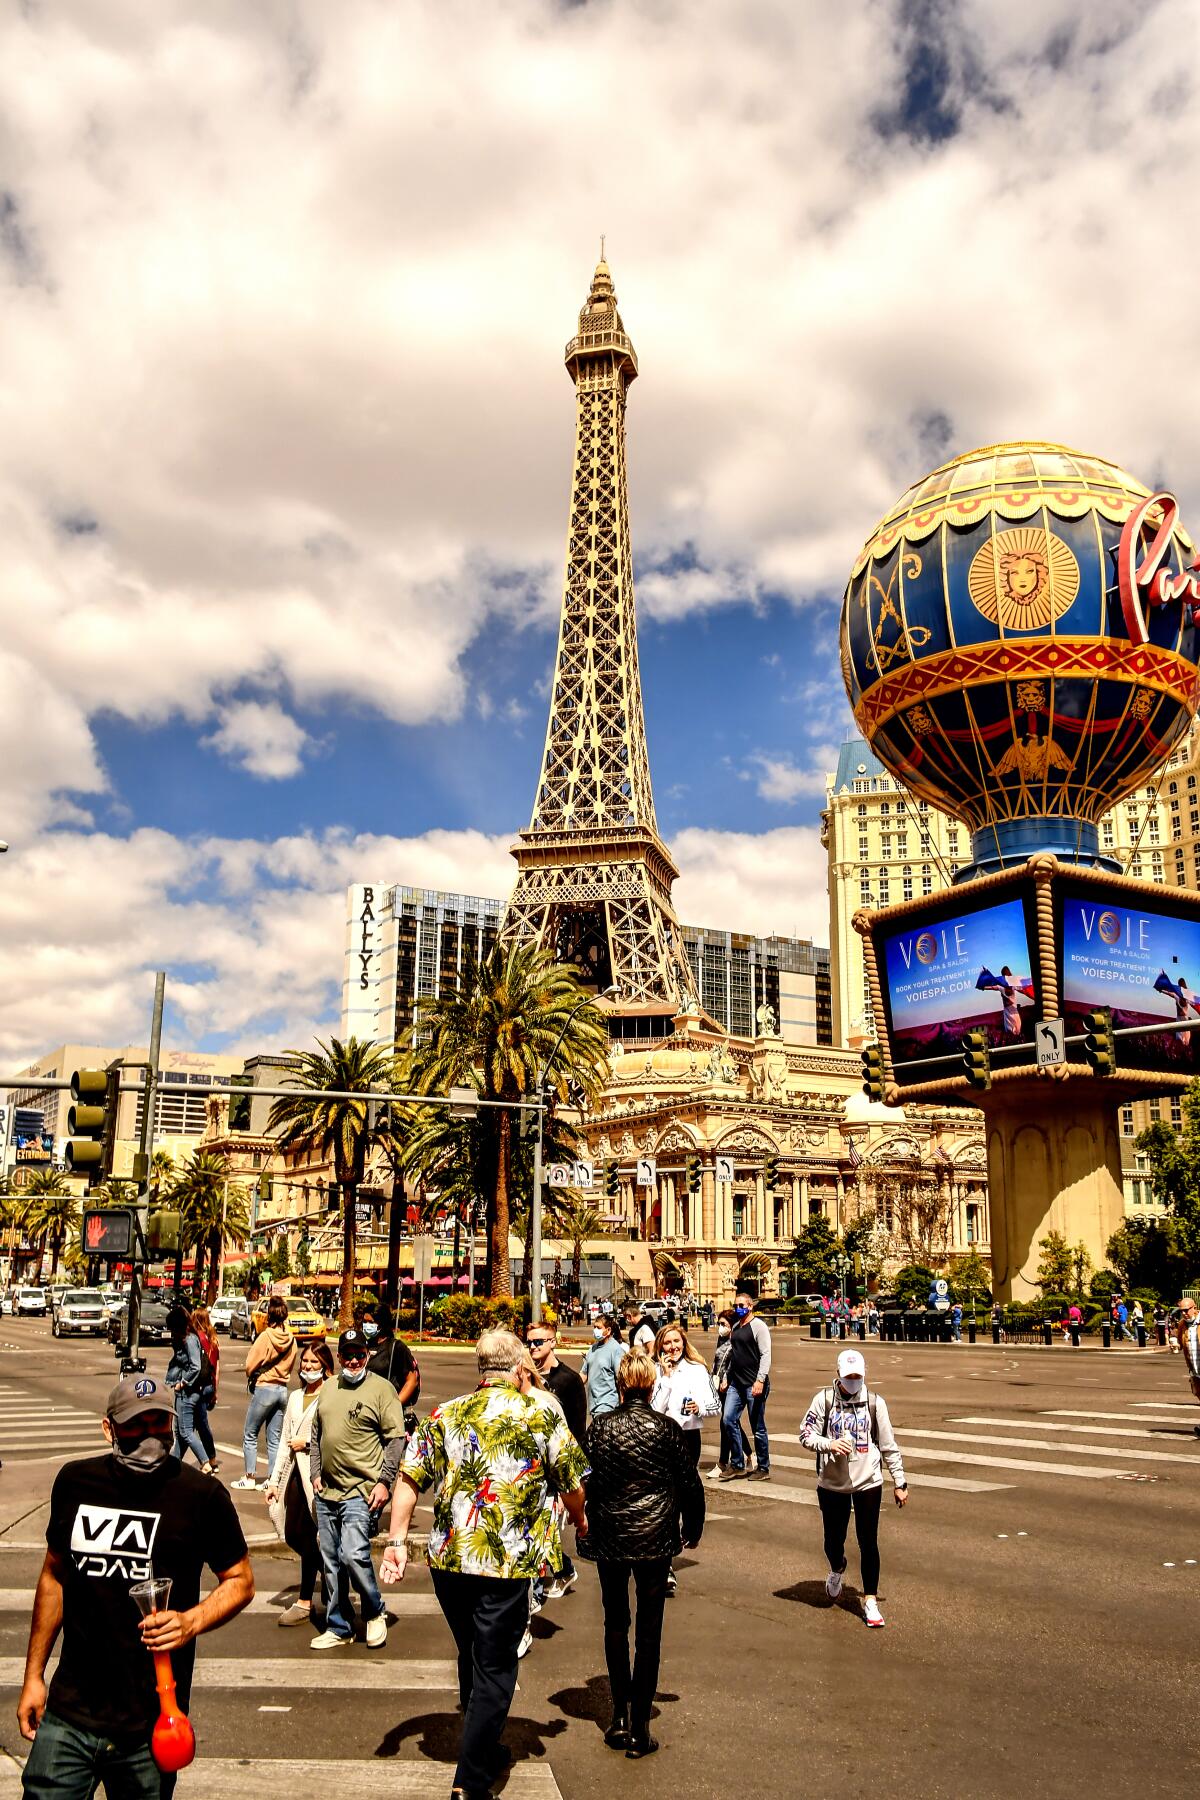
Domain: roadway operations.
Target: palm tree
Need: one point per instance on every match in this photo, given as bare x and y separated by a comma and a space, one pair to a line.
214, 1209
578, 1220
513, 1015
52, 1210
312, 1124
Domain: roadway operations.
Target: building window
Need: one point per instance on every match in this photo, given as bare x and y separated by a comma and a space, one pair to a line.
972, 1224
739, 1215
1176, 1113
1155, 1111
861, 809
884, 809
906, 887
1108, 834
1127, 1121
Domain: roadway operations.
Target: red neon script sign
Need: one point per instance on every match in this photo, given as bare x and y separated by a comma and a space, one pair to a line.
1141, 578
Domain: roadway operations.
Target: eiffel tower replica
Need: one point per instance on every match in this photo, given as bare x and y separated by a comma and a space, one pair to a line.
594, 877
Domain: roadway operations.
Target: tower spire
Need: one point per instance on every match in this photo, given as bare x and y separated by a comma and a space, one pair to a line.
594, 877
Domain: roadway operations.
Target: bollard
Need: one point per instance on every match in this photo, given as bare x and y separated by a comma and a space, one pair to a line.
1047, 1333
814, 1328
1074, 1335
970, 1331
1162, 1336
995, 1333
862, 1331
828, 1329
1141, 1337
1106, 1334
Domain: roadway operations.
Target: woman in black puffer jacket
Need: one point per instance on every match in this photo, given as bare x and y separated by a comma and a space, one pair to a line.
645, 1501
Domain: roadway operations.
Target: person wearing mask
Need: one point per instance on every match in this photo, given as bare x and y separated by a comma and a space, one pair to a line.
356, 1446
496, 1458
851, 1432
290, 1498
601, 1363
94, 1723
390, 1357
203, 1326
541, 1340
1187, 1336
720, 1376
269, 1366
684, 1389
645, 1504
748, 1377
641, 1334
187, 1373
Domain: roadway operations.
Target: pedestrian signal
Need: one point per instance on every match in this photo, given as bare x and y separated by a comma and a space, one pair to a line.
92, 1123
108, 1232
164, 1232
693, 1174
977, 1060
872, 1066
264, 1186
1100, 1046
612, 1181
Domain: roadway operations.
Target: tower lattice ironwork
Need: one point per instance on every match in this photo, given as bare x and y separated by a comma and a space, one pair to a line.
594, 877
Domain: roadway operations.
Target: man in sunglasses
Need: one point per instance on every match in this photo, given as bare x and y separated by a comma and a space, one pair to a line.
541, 1340
355, 1452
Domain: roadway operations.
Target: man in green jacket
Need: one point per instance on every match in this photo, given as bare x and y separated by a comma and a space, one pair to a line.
355, 1452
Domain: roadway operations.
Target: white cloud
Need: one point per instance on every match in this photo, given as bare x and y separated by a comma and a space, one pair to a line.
780, 779
764, 882
259, 735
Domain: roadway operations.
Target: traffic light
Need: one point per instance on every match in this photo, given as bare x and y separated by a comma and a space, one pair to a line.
977, 1061
264, 1186
92, 1123
771, 1172
612, 1181
164, 1232
872, 1067
1100, 1046
693, 1174
333, 1197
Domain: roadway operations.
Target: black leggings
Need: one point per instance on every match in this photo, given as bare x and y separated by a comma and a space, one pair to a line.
634, 1689
300, 1535
835, 1511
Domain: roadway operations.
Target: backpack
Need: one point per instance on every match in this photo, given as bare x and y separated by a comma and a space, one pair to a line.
208, 1374
871, 1414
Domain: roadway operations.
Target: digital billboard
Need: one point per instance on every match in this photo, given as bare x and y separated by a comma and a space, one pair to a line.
957, 972
1143, 963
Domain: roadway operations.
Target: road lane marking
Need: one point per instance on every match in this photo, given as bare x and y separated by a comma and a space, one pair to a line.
1168, 1405
938, 1481
400, 1606
976, 1459
1027, 1443
232, 1778
1062, 1412
391, 1676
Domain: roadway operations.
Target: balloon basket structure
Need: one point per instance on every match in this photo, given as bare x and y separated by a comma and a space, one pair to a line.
173, 1741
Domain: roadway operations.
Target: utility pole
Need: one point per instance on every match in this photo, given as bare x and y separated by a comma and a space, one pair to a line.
145, 1153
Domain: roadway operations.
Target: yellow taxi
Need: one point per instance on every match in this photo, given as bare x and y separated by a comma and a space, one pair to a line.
304, 1321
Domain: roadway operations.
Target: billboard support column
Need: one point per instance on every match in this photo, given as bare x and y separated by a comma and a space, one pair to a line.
1056, 1170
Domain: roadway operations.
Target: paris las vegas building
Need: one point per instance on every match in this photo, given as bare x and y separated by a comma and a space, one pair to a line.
723, 1046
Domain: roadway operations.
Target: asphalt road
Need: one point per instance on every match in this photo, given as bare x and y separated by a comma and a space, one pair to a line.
1040, 1593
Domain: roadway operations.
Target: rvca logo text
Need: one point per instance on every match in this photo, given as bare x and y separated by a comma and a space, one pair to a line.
110, 1540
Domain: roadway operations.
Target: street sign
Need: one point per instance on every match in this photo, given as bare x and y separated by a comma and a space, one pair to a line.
1051, 1043
724, 1168
560, 1175
422, 1258
585, 1174
647, 1172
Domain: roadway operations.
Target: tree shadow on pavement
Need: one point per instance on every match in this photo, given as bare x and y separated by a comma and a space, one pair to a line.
436, 1736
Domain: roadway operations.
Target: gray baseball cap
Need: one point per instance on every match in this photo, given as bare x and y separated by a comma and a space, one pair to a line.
135, 1395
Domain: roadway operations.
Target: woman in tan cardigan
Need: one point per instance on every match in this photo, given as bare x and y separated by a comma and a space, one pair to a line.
268, 1370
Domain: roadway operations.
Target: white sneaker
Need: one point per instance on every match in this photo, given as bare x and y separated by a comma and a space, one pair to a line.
329, 1640
561, 1585
833, 1582
377, 1631
526, 1643
246, 1481
871, 1613
298, 1613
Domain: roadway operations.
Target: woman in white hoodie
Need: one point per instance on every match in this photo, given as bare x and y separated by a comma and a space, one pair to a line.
851, 1432
684, 1389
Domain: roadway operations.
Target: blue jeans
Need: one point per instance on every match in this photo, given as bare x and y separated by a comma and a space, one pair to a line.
189, 1411
737, 1399
343, 1536
69, 1763
265, 1408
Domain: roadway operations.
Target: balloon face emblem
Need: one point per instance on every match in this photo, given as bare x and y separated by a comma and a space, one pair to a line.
926, 948
1109, 927
1023, 579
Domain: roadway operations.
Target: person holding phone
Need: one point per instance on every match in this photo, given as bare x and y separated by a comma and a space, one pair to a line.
684, 1389
851, 1432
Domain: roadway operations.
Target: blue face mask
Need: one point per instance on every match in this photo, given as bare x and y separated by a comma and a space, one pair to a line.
740, 1312
596, 1332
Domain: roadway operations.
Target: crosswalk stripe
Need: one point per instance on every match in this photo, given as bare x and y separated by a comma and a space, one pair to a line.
767, 1490
388, 1778
938, 1481
1169, 1405
414, 1605
391, 1675
1117, 1431
977, 1459
1062, 1412
1026, 1443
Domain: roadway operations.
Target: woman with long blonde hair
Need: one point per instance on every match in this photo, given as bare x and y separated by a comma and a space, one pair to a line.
684, 1389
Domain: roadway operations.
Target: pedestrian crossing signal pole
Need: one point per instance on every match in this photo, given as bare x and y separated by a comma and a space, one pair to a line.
977, 1061
1100, 1046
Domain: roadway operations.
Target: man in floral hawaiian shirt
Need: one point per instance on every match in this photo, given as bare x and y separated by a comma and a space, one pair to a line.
496, 1458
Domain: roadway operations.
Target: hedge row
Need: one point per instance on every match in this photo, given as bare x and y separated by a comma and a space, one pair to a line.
468, 1316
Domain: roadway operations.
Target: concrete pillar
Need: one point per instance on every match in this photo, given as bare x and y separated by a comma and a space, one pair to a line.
839, 1220
1059, 1172
708, 1203
764, 1224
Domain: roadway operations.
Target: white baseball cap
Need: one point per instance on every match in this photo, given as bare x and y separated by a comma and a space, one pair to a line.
850, 1362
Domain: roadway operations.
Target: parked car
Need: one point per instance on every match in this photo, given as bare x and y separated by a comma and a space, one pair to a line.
241, 1324
80, 1312
304, 1321
221, 1312
115, 1300
152, 1322
6, 1301
656, 1311
31, 1303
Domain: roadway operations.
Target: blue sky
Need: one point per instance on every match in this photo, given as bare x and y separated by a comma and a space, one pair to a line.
285, 433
